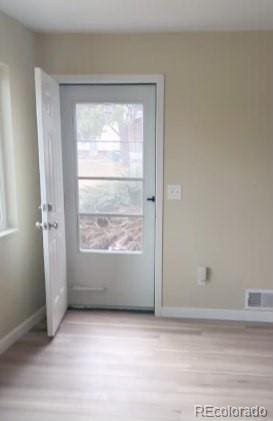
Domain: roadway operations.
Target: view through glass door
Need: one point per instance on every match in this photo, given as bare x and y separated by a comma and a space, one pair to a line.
109, 179
110, 176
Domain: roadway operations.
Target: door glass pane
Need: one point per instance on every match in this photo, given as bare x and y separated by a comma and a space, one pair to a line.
109, 139
111, 233
109, 122
110, 145
110, 196
110, 159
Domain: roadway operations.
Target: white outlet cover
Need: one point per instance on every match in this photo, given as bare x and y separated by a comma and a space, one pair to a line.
174, 192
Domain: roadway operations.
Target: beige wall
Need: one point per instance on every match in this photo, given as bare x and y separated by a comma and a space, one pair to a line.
21, 270
218, 145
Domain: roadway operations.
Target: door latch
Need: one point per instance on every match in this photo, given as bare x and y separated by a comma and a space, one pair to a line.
46, 207
45, 226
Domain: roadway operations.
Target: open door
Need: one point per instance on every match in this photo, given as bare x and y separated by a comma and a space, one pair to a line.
52, 198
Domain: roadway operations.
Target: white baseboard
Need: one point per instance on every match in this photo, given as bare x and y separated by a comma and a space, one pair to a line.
21, 330
217, 314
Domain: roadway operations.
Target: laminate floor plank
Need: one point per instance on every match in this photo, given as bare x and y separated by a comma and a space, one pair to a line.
117, 366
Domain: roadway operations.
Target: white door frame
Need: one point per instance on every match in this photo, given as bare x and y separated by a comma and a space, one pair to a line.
158, 81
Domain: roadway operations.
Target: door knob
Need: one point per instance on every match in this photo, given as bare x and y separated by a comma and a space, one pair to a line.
151, 199
53, 225
40, 225
45, 226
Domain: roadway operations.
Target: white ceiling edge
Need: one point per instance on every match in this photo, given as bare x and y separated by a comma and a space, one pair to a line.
146, 31
140, 16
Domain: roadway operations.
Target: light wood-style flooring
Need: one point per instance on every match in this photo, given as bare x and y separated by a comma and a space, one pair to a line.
119, 366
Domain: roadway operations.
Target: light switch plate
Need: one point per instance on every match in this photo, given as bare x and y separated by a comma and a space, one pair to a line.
174, 192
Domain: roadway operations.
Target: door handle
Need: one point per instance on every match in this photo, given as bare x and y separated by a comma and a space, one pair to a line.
151, 199
41, 225
52, 225
45, 226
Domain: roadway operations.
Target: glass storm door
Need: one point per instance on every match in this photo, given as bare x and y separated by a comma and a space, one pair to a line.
109, 179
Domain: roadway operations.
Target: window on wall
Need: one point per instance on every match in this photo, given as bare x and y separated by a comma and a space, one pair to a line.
3, 201
7, 188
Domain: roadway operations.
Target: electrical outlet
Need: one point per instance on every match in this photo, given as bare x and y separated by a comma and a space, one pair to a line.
202, 275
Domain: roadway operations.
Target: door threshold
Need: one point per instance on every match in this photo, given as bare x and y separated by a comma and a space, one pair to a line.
111, 308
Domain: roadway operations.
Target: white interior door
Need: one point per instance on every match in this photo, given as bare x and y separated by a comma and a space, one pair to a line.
109, 183
52, 197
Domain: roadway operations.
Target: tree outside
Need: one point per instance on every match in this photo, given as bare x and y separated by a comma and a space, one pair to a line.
110, 144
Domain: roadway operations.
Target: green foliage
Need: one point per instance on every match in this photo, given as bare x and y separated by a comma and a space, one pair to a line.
111, 196
92, 119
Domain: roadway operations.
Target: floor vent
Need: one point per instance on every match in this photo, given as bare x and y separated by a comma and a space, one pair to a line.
259, 299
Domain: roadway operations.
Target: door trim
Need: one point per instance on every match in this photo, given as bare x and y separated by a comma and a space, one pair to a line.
158, 81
